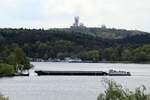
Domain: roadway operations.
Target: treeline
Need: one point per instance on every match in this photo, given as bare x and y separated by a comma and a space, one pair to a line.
61, 43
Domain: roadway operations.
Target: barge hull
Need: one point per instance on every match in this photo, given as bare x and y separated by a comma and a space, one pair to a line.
72, 73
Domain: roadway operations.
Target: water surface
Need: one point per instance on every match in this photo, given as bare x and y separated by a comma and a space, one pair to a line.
71, 87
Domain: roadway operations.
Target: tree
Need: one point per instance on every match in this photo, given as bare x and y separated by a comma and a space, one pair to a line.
92, 55
141, 54
18, 59
6, 70
46, 44
126, 55
11, 59
22, 62
107, 54
14, 62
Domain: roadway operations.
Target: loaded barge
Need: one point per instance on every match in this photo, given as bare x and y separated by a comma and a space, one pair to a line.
83, 73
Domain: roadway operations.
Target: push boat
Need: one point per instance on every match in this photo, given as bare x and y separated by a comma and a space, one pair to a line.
118, 73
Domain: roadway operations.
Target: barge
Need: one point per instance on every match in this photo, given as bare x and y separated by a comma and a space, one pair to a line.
72, 73
83, 73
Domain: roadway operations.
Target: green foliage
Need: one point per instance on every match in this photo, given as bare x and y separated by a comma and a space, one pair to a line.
3, 97
11, 59
19, 60
15, 61
115, 91
92, 55
141, 54
107, 54
109, 44
6, 70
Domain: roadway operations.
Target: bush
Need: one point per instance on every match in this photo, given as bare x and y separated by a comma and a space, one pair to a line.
117, 92
6, 70
3, 98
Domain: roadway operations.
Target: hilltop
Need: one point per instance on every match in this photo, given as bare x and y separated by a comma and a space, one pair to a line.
103, 32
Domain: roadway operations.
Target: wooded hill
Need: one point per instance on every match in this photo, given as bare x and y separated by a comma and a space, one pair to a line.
94, 44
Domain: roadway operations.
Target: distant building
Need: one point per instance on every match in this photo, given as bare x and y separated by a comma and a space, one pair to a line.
77, 24
103, 26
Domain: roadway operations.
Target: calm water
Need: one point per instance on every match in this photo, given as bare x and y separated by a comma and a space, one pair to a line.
71, 87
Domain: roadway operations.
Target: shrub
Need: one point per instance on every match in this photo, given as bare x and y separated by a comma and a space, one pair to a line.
3, 98
115, 91
6, 70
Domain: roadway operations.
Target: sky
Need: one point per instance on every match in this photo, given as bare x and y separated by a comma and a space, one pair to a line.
122, 14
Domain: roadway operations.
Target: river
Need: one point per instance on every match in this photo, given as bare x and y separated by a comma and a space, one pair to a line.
71, 87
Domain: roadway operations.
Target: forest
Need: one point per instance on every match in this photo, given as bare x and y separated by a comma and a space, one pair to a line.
62, 43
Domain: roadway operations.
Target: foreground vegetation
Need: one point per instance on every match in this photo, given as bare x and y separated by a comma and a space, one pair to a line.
61, 43
3, 98
115, 91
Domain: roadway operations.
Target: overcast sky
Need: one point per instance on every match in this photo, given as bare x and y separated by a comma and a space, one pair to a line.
126, 14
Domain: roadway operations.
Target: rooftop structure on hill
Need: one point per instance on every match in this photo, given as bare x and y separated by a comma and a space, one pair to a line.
77, 23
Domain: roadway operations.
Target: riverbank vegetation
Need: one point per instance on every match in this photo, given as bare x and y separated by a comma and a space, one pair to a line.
115, 91
13, 62
124, 46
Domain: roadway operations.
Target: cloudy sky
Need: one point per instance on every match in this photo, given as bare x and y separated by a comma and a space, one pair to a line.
126, 14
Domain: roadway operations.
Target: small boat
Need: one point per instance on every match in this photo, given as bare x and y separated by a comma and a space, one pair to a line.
118, 73
21, 74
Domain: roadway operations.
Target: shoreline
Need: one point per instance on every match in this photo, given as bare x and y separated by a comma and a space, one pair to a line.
106, 62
